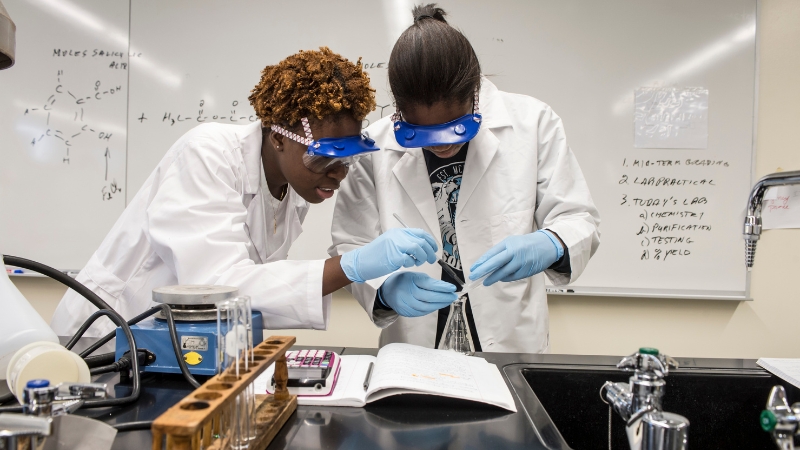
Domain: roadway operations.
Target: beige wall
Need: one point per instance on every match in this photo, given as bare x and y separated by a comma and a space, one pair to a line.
766, 326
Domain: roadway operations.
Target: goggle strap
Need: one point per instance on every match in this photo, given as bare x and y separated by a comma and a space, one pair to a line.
309, 140
307, 128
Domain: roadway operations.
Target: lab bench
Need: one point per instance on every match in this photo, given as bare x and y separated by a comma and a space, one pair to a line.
557, 399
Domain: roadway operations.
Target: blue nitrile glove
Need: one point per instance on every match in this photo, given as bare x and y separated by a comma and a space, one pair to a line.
414, 294
518, 257
396, 248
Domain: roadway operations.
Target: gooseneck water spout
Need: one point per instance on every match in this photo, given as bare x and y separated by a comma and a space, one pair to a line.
752, 222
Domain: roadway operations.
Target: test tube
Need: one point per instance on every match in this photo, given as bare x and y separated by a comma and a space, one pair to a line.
474, 284
246, 314
232, 361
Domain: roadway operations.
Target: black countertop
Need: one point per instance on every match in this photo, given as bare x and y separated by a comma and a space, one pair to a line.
400, 422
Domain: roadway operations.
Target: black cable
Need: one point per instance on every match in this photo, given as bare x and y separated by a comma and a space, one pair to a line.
103, 306
136, 388
104, 369
61, 277
124, 363
111, 335
105, 310
173, 334
5, 398
176, 347
131, 426
100, 360
88, 323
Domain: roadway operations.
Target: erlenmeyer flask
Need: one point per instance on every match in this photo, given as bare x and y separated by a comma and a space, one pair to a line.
456, 336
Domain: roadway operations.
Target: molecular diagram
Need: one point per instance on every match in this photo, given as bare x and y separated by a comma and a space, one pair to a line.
65, 123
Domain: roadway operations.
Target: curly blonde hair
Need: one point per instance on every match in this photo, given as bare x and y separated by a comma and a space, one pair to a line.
312, 83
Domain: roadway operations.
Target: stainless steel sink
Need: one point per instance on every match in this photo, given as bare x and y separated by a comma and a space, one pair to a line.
722, 399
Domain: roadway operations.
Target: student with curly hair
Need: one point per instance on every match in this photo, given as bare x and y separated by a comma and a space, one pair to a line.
226, 202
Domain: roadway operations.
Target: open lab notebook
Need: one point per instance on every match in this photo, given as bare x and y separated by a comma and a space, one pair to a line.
409, 369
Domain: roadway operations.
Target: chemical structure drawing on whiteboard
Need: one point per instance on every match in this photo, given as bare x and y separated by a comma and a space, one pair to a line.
67, 121
172, 118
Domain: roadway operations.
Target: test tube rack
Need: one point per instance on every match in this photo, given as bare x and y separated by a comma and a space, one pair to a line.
197, 421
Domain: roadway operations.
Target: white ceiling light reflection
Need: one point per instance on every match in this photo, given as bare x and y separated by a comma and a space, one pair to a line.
79, 17
706, 56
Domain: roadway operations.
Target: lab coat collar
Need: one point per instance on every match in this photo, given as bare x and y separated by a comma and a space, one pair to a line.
412, 173
481, 151
493, 109
250, 142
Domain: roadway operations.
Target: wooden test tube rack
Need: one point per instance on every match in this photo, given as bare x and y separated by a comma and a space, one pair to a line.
195, 422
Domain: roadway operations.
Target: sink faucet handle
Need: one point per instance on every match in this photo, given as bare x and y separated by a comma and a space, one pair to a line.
780, 419
648, 360
671, 362
777, 399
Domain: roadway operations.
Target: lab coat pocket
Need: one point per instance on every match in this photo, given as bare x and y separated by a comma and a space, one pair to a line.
511, 224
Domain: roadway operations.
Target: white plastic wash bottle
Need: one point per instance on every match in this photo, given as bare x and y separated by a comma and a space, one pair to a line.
20, 324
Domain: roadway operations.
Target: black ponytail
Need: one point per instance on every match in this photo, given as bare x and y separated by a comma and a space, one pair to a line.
432, 62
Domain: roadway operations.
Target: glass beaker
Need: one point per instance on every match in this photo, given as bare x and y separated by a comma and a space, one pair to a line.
456, 336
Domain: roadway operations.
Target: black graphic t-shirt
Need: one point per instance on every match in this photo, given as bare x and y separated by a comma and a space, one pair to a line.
445, 177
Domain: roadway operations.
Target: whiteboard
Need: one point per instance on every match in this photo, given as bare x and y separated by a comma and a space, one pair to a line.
62, 130
197, 61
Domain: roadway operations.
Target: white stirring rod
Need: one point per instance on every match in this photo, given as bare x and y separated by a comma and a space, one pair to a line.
400, 220
441, 262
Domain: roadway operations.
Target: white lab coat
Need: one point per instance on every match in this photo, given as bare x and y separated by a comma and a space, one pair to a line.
519, 176
200, 219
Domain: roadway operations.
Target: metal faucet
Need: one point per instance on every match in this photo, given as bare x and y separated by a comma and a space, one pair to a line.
780, 419
40, 404
41, 399
639, 403
752, 223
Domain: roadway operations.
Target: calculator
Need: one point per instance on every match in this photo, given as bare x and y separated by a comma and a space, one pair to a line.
311, 372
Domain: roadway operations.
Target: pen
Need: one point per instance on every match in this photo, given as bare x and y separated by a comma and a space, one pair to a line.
369, 376
444, 265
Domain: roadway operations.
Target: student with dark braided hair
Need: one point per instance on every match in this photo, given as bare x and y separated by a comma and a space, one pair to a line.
226, 202
490, 173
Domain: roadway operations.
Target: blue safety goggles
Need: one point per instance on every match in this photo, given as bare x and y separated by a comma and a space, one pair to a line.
325, 154
457, 131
